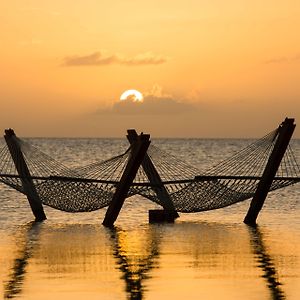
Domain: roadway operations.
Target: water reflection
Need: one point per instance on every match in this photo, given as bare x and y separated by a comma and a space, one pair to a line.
136, 254
13, 286
265, 262
73, 260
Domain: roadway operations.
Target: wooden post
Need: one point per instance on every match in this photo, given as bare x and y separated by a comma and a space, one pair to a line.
285, 132
169, 210
138, 151
23, 171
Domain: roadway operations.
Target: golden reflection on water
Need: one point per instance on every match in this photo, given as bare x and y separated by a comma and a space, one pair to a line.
266, 263
136, 255
209, 260
26, 244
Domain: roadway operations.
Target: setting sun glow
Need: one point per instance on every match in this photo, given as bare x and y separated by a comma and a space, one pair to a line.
133, 95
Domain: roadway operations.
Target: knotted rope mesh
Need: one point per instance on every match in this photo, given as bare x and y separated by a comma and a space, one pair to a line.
236, 178
92, 187
60, 187
8, 171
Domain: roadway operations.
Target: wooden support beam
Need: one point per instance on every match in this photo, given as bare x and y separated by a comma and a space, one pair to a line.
25, 176
285, 132
137, 154
170, 212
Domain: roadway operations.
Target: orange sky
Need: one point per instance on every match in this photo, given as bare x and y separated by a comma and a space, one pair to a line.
206, 68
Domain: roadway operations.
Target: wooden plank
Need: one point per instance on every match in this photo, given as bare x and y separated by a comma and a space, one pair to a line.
155, 181
285, 132
138, 151
25, 176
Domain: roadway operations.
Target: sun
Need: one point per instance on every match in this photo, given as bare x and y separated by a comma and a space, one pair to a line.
132, 95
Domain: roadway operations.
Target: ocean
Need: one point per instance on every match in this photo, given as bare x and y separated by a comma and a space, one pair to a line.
207, 255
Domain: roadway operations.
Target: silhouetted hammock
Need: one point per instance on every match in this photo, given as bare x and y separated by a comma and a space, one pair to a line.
265, 165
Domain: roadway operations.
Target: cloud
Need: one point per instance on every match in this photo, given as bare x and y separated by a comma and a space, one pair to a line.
277, 60
147, 58
94, 59
98, 59
155, 102
151, 106
283, 59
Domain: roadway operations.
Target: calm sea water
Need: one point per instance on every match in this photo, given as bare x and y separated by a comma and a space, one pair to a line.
210, 255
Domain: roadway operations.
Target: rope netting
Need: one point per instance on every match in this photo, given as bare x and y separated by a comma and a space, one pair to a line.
7, 167
92, 187
61, 187
236, 178
174, 173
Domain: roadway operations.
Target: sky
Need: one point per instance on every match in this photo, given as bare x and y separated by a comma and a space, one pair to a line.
207, 69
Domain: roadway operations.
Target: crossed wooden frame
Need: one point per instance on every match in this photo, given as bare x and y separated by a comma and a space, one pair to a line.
139, 157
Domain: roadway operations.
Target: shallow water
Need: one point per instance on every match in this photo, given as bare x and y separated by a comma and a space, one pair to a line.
210, 255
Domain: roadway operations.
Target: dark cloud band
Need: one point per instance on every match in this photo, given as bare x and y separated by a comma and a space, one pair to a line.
151, 105
97, 59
